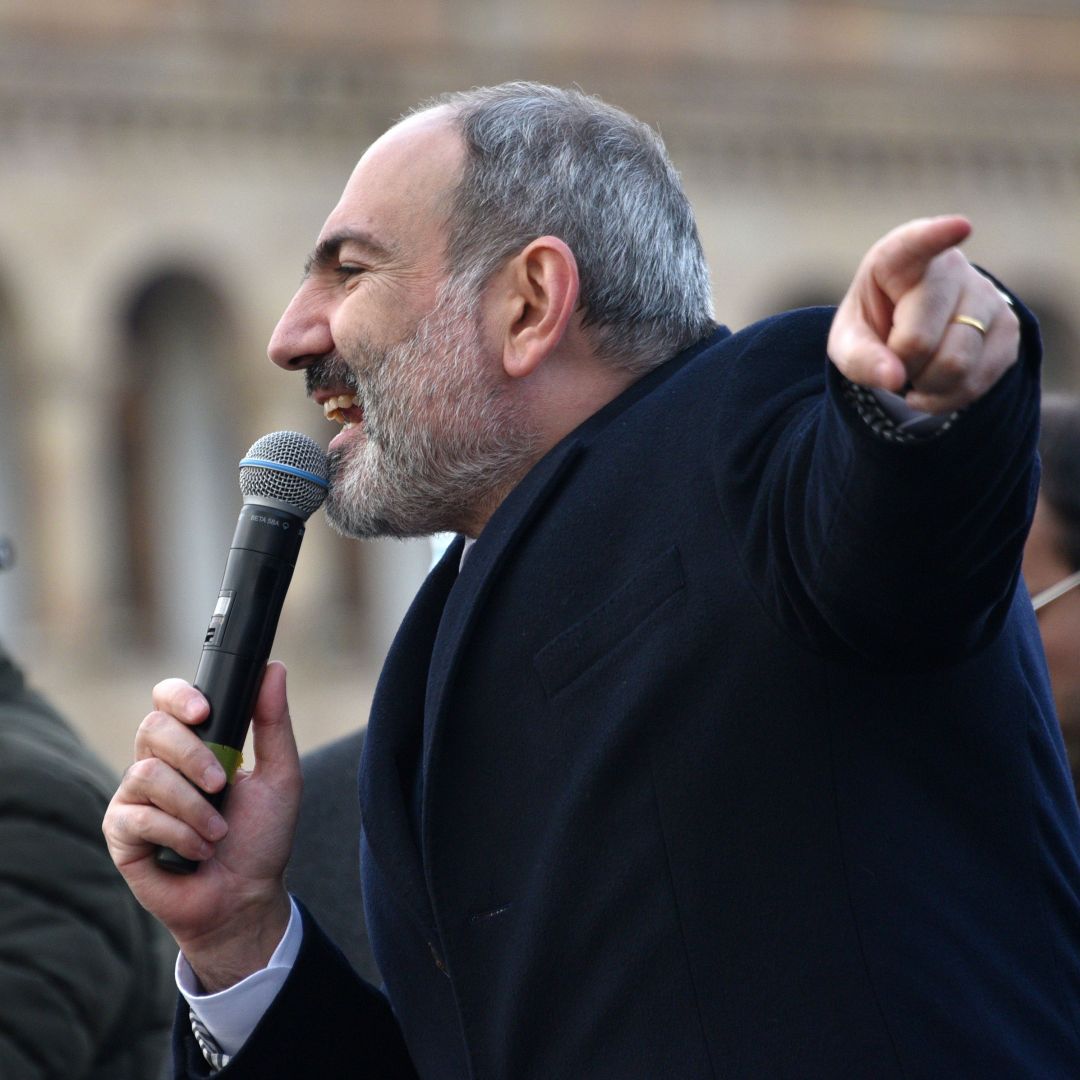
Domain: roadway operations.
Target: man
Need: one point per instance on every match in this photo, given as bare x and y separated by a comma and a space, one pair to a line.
1052, 562
84, 971
726, 747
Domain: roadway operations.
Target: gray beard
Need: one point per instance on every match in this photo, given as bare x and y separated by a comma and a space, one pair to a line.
443, 441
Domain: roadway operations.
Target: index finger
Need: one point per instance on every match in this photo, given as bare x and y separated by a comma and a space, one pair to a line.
179, 698
900, 260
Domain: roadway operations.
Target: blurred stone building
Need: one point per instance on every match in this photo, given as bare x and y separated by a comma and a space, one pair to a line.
166, 166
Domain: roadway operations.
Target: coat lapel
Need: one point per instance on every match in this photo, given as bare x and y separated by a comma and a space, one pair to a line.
389, 792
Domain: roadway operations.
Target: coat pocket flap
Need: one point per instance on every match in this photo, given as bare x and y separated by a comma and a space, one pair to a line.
575, 650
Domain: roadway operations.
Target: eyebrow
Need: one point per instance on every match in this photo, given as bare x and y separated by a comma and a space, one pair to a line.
326, 251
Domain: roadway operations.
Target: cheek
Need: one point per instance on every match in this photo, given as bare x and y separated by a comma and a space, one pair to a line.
376, 316
351, 327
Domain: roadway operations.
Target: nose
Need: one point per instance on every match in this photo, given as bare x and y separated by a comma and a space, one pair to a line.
302, 334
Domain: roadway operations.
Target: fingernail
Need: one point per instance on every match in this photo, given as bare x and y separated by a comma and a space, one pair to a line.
205, 850
213, 778
216, 827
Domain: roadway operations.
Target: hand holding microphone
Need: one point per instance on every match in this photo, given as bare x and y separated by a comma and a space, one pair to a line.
283, 478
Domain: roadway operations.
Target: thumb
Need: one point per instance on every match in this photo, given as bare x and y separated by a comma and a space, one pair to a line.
856, 349
272, 735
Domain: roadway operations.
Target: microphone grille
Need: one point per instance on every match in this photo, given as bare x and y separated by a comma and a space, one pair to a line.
287, 467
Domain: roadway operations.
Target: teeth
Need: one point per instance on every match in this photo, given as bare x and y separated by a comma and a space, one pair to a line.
332, 407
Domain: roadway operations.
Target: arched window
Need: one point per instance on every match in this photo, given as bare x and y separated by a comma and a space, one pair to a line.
176, 502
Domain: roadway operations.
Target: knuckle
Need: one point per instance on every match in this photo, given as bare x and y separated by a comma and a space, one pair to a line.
128, 824
954, 259
913, 342
144, 770
152, 724
950, 368
141, 823
170, 694
196, 757
167, 687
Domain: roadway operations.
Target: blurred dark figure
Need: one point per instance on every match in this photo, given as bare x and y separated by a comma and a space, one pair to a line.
86, 989
324, 870
1052, 562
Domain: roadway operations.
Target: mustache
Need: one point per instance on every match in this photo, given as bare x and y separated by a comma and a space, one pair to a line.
329, 372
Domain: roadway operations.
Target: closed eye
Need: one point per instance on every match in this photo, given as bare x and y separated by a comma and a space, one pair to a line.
327, 256
347, 272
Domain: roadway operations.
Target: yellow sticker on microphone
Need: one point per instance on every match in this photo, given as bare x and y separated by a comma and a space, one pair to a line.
230, 759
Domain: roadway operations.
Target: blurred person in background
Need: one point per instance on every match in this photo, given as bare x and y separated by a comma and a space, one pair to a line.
85, 973
324, 868
1052, 562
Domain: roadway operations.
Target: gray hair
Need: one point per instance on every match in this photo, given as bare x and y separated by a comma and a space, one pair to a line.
546, 161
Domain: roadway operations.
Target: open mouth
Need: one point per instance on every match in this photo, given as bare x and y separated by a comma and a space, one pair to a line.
344, 410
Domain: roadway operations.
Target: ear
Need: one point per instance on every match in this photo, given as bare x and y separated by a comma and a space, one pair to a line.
541, 296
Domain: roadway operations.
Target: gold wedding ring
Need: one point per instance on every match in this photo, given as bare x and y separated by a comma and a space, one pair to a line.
970, 320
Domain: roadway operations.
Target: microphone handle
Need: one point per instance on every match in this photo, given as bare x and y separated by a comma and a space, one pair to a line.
239, 638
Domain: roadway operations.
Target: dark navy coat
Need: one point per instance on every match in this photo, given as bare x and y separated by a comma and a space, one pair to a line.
728, 753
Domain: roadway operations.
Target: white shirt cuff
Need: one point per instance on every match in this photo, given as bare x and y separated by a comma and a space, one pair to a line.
232, 1015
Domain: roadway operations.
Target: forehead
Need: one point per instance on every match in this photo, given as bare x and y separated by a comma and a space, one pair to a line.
398, 192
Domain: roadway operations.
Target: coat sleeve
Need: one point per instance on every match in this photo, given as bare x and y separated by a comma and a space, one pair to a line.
894, 553
83, 971
325, 1022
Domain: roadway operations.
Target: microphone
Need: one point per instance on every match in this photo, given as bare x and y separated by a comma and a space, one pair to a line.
283, 478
